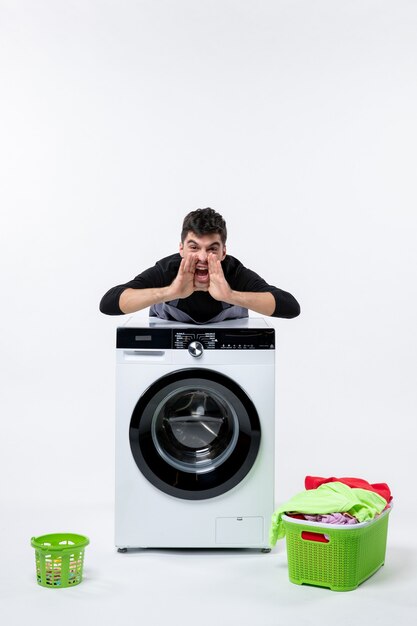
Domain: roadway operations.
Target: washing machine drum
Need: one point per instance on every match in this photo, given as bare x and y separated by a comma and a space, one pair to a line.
195, 434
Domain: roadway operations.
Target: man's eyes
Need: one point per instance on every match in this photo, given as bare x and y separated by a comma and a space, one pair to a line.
215, 250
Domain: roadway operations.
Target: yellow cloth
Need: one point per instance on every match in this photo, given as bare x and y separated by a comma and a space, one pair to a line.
332, 497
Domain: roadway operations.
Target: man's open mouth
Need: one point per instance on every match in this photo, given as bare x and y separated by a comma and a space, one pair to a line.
201, 273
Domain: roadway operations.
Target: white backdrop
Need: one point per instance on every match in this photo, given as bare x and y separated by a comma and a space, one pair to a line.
294, 119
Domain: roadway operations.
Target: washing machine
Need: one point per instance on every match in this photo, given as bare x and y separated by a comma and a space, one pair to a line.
195, 413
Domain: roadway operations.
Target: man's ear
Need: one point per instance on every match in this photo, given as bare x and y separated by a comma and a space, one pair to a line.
224, 253
181, 249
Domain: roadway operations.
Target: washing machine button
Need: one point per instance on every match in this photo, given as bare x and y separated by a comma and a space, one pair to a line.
196, 349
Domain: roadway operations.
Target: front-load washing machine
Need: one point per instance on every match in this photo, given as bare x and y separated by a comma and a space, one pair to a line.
195, 411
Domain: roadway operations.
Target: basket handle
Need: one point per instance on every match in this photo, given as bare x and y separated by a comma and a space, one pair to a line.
319, 537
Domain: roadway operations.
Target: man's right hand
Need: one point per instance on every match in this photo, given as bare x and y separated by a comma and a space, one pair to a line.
132, 300
183, 284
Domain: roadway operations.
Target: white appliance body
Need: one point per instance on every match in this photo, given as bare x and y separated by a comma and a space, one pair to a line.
216, 494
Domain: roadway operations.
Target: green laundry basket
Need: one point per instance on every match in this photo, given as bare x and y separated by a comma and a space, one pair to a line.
348, 555
59, 559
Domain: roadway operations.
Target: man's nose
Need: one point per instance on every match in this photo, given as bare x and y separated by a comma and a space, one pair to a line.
202, 256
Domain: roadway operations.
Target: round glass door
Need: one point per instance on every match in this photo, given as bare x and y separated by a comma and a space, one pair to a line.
195, 434
195, 429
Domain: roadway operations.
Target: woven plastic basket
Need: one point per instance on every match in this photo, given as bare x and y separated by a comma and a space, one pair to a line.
59, 559
337, 557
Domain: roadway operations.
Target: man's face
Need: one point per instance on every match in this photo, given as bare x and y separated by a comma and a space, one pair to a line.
202, 247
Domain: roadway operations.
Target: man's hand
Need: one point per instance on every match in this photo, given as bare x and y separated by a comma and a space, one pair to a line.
183, 284
132, 300
218, 287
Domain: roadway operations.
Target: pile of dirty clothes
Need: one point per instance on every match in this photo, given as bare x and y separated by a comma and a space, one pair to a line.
333, 501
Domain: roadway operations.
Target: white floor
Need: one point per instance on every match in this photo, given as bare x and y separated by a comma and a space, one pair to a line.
155, 587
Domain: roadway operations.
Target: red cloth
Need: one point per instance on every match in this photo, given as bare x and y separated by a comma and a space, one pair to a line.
312, 482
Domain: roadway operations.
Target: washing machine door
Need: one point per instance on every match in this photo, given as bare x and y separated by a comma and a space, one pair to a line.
195, 434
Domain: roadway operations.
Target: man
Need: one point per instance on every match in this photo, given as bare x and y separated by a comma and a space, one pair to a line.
201, 284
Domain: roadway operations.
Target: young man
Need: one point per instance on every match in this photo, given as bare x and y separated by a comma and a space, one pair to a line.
202, 283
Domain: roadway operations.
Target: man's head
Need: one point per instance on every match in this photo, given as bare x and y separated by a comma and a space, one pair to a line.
203, 233
204, 222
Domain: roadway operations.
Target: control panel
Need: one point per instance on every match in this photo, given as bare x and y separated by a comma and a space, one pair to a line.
209, 339
227, 340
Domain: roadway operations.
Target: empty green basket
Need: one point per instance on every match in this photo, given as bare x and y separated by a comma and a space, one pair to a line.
59, 559
349, 555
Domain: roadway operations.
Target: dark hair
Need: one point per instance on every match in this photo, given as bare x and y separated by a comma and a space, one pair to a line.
204, 222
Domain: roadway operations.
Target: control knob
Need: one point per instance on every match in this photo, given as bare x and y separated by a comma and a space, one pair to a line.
196, 349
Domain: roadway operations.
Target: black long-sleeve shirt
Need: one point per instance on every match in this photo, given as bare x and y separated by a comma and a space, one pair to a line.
200, 305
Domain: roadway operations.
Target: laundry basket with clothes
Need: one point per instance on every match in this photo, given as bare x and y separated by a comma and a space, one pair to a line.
335, 533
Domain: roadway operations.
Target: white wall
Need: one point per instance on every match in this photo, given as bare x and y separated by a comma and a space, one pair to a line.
297, 121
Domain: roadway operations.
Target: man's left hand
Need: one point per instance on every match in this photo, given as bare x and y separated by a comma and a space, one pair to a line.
219, 288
